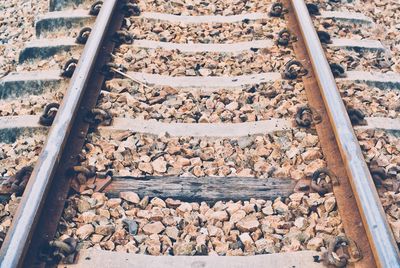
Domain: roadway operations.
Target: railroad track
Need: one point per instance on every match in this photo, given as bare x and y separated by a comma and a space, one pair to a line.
233, 106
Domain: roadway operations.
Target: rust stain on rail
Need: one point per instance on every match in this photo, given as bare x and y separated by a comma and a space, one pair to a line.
345, 199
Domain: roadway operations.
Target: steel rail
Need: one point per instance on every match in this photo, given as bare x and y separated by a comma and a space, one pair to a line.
18, 239
373, 216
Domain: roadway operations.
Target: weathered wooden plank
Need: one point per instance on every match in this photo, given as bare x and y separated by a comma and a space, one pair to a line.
193, 189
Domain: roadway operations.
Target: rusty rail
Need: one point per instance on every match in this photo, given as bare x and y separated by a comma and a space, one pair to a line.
373, 216
44, 195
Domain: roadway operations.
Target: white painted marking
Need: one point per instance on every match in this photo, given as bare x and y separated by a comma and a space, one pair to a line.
32, 76
222, 130
381, 123
385, 80
76, 13
208, 82
346, 16
201, 19
199, 129
58, 42
21, 121
354, 43
94, 258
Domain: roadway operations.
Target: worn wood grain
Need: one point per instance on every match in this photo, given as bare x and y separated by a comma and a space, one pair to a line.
203, 189
193, 189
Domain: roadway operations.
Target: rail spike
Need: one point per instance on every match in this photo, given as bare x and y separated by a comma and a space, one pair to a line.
277, 10
83, 35
95, 8
69, 68
342, 251
294, 69
306, 116
49, 113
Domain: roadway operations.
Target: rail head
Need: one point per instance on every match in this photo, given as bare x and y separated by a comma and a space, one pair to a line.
381, 239
24, 223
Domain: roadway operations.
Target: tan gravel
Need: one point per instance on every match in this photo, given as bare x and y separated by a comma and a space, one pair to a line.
197, 7
175, 63
55, 62
16, 28
373, 102
251, 103
390, 201
295, 154
386, 15
373, 61
34, 105
7, 212
380, 146
172, 227
63, 32
205, 32
383, 149
24, 151
346, 30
